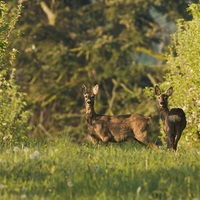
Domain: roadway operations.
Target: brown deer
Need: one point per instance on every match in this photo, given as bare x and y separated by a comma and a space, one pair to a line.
174, 120
114, 128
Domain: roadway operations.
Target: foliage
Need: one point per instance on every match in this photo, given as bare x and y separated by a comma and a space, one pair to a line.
13, 116
65, 44
63, 170
184, 75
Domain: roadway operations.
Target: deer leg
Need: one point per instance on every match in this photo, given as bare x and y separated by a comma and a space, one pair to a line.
169, 140
177, 138
144, 139
105, 136
93, 139
105, 139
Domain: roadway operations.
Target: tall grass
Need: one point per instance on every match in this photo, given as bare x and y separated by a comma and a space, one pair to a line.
63, 170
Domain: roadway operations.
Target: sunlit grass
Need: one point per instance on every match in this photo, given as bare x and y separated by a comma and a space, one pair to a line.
63, 170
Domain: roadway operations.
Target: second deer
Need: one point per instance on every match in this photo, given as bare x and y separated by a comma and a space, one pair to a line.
174, 120
114, 128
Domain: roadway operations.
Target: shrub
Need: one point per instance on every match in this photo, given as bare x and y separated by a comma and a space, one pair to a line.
184, 71
13, 115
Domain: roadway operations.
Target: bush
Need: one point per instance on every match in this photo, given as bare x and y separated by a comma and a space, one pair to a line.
184, 71
13, 116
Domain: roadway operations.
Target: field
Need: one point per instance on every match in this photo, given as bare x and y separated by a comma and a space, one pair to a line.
60, 169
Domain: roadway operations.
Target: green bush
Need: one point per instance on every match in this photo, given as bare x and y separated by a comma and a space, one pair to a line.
13, 116
184, 71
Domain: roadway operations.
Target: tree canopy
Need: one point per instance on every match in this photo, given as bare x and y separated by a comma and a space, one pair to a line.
117, 44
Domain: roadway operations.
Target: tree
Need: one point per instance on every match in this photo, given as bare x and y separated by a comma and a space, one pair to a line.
13, 115
67, 43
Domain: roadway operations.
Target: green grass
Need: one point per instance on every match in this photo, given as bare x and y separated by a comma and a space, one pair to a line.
62, 170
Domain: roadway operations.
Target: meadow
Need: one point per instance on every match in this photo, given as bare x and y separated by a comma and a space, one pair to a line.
60, 169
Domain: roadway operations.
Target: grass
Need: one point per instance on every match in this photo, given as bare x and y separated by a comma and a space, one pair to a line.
61, 169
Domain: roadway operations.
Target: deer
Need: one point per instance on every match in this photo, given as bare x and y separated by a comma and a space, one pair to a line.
174, 120
105, 128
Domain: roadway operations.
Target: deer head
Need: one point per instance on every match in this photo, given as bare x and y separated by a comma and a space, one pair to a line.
89, 96
163, 97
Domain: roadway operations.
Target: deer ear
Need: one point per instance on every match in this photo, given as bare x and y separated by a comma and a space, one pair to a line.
95, 89
84, 88
169, 91
157, 90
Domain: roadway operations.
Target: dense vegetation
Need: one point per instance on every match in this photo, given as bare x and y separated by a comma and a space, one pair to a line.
13, 116
184, 71
117, 44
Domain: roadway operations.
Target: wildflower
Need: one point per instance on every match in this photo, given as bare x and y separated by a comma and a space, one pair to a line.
33, 47
70, 183
16, 149
25, 149
6, 137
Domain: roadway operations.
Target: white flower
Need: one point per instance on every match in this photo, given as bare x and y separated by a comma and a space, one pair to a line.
26, 149
33, 47
70, 183
8, 151
5, 138
15, 149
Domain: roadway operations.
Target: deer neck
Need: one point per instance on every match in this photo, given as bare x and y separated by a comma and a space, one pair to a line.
90, 113
164, 113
